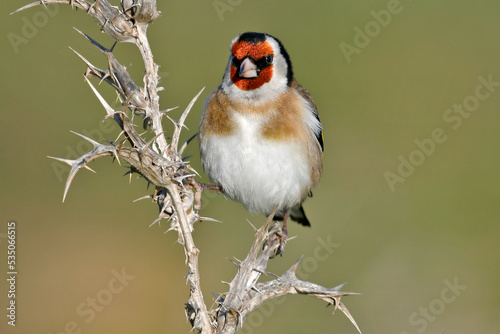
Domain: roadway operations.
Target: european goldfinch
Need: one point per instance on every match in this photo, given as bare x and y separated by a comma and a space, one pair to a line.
260, 136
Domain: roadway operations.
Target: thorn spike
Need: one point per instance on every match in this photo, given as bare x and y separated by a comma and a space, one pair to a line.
348, 315
71, 176
110, 111
90, 140
66, 161
180, 124
90, 169
141, 198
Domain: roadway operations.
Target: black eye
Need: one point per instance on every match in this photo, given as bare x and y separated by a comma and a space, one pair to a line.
235, 62
269, 59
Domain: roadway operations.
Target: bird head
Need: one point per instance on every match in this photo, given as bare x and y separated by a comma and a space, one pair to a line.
259, 68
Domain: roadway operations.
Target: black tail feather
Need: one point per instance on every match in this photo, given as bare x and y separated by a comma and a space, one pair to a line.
296, 214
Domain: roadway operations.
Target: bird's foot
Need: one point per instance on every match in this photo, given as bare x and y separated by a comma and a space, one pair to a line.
279, 235
283, 238
198, 190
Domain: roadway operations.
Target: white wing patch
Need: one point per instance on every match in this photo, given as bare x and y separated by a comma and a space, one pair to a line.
312, 122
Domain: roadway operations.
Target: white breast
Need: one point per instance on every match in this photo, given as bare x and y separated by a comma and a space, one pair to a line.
258, 172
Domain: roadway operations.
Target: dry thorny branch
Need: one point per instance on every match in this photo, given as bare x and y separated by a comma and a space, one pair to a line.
176, 192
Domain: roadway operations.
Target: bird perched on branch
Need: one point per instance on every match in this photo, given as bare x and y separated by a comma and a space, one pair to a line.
260, 134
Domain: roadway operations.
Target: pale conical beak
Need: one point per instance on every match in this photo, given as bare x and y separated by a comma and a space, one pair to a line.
248, 69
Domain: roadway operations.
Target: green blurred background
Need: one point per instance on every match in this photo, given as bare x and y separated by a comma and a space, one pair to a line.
401, 249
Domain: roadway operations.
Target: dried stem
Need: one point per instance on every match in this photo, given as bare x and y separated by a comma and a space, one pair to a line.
196, 302
151, 84
176, 192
